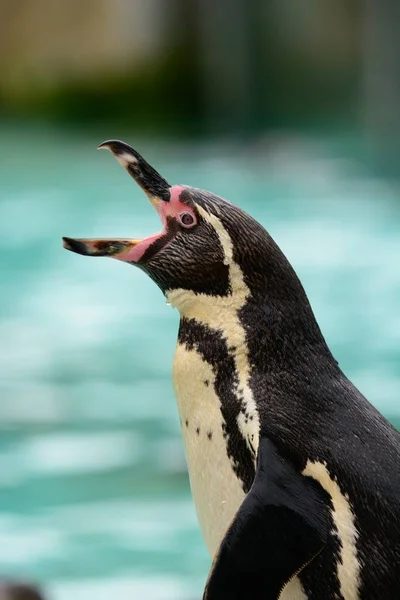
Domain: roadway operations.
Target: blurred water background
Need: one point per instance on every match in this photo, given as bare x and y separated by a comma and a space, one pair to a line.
289, 111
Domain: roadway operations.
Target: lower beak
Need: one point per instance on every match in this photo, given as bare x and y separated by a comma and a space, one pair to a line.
92, 247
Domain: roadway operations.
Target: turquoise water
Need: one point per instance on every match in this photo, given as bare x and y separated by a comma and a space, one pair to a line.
94, 497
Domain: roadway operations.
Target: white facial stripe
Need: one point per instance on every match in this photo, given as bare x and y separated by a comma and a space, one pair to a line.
348, 566
125, 159
221, 313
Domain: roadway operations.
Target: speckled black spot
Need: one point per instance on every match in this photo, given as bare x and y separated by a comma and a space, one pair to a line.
198, 430
209, 435
187, 422
206, 383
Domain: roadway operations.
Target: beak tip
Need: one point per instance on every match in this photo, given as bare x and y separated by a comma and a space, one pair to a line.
105, 146
116, 147
75, 245
66, 242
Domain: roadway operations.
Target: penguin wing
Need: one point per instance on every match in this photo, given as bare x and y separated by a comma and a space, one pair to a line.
280, 527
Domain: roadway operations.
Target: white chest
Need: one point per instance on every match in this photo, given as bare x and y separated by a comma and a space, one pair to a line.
217, 492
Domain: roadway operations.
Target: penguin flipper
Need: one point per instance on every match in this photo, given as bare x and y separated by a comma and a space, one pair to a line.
280, 527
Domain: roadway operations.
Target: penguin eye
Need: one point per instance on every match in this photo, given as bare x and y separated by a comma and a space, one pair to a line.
187, 219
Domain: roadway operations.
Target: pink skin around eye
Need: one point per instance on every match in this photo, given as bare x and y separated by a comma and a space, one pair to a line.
173, 208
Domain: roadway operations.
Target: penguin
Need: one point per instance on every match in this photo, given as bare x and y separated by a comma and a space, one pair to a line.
295, 476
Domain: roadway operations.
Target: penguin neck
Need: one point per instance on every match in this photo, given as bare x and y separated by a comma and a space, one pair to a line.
216, 312
254, 325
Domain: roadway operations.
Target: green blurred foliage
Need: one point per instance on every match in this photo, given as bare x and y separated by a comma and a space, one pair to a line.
297, 69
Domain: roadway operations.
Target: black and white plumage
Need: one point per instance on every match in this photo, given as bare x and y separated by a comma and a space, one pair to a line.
294, 474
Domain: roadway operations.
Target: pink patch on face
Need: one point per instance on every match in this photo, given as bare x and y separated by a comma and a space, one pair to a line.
173, 208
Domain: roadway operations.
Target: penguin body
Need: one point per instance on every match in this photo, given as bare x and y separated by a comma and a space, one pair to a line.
294, 474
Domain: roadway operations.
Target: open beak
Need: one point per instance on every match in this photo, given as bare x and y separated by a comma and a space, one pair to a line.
156, 189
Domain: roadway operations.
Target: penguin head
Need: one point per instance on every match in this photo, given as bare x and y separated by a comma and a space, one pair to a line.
206, 247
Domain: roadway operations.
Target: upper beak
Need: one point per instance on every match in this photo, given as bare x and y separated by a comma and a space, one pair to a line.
155, 187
